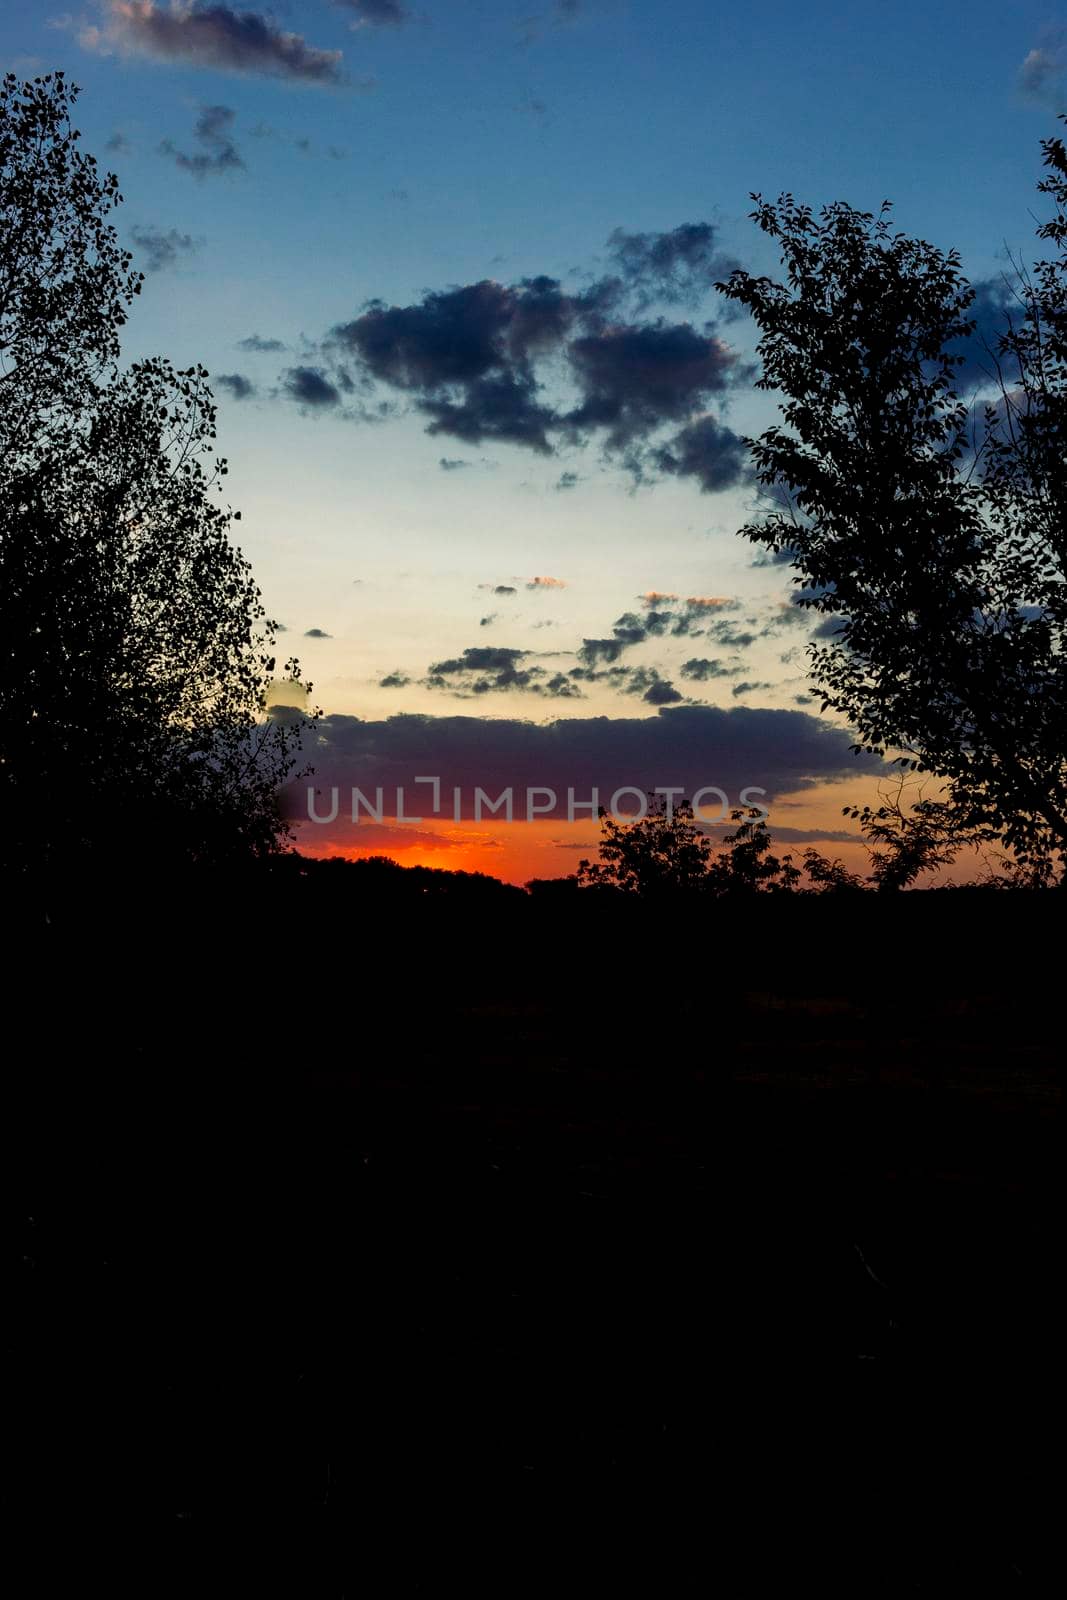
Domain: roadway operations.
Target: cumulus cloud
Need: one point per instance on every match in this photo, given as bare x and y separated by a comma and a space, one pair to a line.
239, 387
668, 615
701, 669
195, 33
394, 680
729, 635
541, 366
486, 669
160, 250
310, 389
675, 268
635, 377
781, 751
218, 153
709, 452
1040, 76
316, 633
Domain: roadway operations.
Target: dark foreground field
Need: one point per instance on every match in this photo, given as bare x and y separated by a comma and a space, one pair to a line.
511, 1252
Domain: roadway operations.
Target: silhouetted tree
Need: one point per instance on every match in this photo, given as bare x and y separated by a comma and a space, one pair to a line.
828, 876
663, 852
907, 841
746, 863
137, 656
936, 554
667, 852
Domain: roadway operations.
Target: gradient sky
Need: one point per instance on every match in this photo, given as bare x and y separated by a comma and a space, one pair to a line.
284, 169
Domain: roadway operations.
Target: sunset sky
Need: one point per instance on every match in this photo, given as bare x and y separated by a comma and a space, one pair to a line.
450, 266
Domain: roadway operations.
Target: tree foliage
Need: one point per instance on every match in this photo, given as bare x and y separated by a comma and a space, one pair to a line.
137, 653
663, 852
667, 853
931, 541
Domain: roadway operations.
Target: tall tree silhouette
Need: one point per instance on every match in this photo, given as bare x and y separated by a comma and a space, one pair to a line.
137, 654
931, 539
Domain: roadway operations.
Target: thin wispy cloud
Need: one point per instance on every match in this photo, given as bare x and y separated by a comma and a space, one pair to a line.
217, 154
157, 249
375, 13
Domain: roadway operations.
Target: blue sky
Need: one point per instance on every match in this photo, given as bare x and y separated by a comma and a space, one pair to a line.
282, 169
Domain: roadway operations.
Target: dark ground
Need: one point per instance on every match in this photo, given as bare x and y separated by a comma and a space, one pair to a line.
594, 1251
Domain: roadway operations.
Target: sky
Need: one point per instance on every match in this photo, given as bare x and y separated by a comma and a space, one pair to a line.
451, 268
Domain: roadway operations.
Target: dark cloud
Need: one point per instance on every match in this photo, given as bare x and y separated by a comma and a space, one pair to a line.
118, 143
661, 693
205, 35
213, 133
675, 268
502, 407
594, 652
635, 377
728, 634
787, 614
161, 250
486, 669
316, 633
466, 355
310, 389
240, 387
701, 669
487, 622
482, 361
504, 588
749, 688
645, 681
394, 680
258, 345
995, 302
709, 452
452, 337
668, 615
781, 751
452, 464
810, 835
774, 558
376, 13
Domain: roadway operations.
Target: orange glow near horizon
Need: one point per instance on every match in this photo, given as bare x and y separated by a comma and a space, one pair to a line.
551, 848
